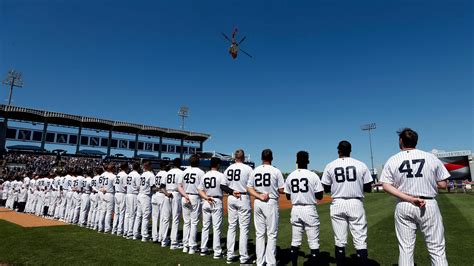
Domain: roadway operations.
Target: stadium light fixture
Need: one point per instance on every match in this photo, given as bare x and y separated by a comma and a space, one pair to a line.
370, 127
13, 79
183, 113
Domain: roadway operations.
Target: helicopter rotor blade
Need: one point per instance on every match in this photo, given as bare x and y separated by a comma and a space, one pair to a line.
227, 38
243, 39
245, 53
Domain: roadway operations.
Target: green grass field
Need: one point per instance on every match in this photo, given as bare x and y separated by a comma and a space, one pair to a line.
75, 245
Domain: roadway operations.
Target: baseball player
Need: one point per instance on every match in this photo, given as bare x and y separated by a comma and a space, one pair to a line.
120, 190
85, 198
303, 187
143, 202
107, 206
77, 194
22, 196
69, 192
414, 177
131, 200
238, 208
6, 189
265, 184
54, 194
30, 197
47, 194
191, 202
347, 179
211, 187
40, 188
95, 199
171, 209
156, 202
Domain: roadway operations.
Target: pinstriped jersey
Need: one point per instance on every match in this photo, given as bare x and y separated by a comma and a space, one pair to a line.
108, 180
347, 177
238, 176
302, 184
267, 179
171, 179
133, 182
190, 179
159, 176
414, 172
121, 182
145, 182
211, 183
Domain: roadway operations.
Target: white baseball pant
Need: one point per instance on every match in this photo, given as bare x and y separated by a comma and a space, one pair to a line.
407, 218
143, 216
171, 212
76, 197
191, 213
266, 216
239, 212
119, 213
304, 217
156, 202
130, 213
91, 219
85, 206
212, 214
349, 212
106, 210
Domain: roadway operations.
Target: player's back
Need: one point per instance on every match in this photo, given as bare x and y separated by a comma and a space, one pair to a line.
267, 179
414, 172
190, 179
135, 181
158, 177
211, 183
108, 180
302, 185
171, 179
121, 182
347, 177
238, 176
145, 183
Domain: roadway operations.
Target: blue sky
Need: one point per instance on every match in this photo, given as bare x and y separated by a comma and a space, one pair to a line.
320, 70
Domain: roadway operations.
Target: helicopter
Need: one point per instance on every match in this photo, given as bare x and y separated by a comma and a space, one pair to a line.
234, 46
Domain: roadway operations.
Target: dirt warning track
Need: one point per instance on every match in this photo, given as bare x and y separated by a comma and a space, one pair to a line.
26, 220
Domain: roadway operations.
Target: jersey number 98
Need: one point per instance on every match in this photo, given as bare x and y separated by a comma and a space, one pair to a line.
233, 175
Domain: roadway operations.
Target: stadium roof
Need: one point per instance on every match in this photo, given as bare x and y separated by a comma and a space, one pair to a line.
62, 119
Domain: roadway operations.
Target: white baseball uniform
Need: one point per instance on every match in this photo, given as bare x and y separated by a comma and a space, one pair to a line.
94, 205
40, 197
171, 209
119, 212
238, 209
347, 177
107, 206
266, 179
68, 187
191, 211
156, 203
64, 195
302, 185
85, 200
210, 184
53, 207
133, 180
143, 205
77, 196
416, 173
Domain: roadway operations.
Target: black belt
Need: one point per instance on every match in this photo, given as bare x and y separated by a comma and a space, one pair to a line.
423, 197
195, 194
216, 197
303, 204
243, 193
348, 198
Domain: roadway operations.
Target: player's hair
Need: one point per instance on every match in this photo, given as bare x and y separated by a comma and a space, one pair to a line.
239, 154
177, 162
267, 155
147, 164
70, 170
78, 171
302, 158
409, 137
124, 166
99, 170
215, 162
136, 166
344, 148
111, 167
163, 164
194, 160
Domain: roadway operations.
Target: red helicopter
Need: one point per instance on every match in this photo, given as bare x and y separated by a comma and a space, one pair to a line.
234, 47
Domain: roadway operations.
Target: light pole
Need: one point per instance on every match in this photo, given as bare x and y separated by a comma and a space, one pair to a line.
369, 127
14, 79
183, 113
